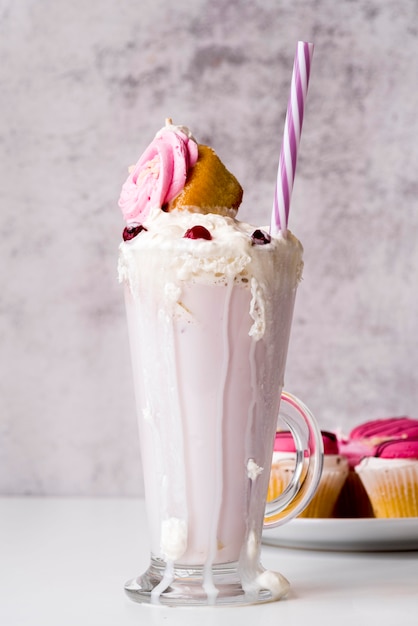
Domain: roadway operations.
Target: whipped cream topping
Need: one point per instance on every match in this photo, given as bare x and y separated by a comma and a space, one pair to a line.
175, 128
228, 256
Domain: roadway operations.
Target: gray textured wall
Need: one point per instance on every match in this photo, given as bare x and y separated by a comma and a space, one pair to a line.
83, 88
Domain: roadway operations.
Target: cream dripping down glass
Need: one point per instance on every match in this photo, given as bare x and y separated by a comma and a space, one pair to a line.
209, 303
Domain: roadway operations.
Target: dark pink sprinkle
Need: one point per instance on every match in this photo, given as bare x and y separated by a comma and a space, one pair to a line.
129, 232
260, 237
198, 232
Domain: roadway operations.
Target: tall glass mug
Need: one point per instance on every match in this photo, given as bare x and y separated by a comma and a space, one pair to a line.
209, 344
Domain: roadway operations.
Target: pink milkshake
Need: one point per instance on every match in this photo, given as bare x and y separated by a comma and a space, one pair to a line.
209, 302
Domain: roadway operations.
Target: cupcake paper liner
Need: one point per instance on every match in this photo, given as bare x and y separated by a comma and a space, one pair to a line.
329, 488
393, 491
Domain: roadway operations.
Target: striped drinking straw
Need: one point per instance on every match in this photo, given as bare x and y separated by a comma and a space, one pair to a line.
291, 137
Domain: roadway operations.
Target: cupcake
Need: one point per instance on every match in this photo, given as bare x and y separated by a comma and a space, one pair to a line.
209, 186
334, 473
364, 439
390, 478
362, 443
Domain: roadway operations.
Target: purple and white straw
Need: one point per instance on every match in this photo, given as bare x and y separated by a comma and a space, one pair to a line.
291, 137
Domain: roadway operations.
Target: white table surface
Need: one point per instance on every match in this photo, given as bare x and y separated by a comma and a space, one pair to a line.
64, 561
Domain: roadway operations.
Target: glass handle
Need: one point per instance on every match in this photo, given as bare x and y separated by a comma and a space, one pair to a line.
308, 464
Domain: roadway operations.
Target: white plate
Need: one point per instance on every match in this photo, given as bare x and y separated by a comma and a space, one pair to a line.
366, 534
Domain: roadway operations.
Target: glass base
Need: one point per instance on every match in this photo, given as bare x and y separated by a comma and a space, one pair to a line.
182, 585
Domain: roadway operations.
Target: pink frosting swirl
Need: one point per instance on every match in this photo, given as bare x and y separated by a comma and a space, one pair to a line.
284, 442
159, 175
399, 449
386, 428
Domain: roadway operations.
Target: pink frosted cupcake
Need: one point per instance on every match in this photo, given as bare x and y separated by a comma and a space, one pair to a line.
362, 443
364, 439
390, 478
334, 473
